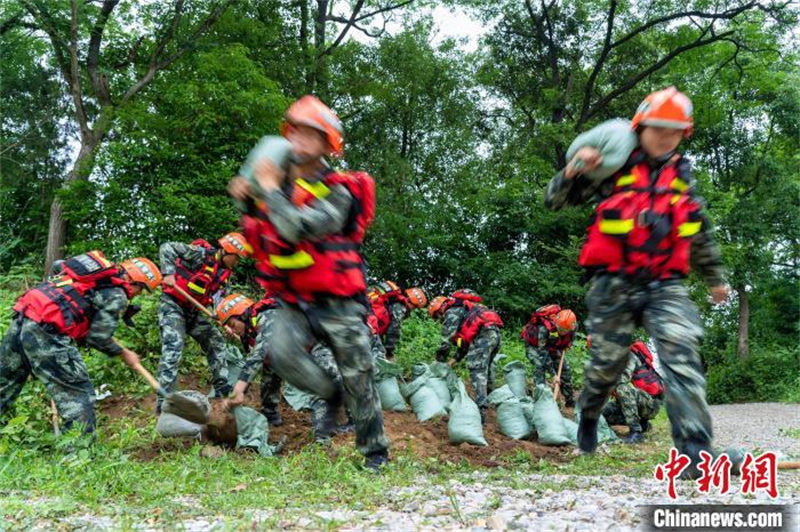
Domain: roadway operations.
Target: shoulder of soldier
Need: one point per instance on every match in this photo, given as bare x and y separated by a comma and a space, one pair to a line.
112, 298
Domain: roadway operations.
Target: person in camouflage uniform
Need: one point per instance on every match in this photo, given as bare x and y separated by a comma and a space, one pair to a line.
306, 230
632, 406
202, 271
48, 347
252, 323
550, 346
478, 351
648, 296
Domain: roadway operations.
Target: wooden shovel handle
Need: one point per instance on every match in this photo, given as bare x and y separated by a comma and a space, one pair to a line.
141, 370
557, 388
194, 302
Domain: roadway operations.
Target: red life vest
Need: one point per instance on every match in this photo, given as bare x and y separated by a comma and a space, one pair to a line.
382, 318
203, 283
63, 301
372, 323
463, 295
332, 266
543, 316
645, 377
644, 228
476, 319
250, 318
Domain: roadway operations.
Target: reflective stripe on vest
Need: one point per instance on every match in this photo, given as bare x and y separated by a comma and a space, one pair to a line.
295, 261
688, 229
616, 227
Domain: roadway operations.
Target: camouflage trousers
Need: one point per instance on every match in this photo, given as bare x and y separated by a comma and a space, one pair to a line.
341, 325
542, 362
176, 322
54, 359
323, 357
270, 390
616, 306
479, 358
376, 347
631, 406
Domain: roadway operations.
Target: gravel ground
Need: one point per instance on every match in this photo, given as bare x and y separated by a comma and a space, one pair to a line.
761, 426
481, 501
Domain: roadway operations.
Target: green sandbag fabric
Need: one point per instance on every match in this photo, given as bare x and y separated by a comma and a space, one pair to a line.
386, 374
605, 434
464, 424
516, 378
439, 374
547, 419
424, 401
272, 147
614, 139
252, 430
510, 416
297, 398
571, 428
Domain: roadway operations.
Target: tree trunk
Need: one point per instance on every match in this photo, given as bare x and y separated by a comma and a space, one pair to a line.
743, 348
57, 229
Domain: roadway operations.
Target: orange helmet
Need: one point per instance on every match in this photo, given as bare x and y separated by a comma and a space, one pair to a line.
665, 108
236, 244
232, 306
386, 287
435, 307
373, 293
416, 297
566, 321
310, 111
142, 270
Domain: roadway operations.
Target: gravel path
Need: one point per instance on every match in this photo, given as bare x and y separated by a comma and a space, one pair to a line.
764, 426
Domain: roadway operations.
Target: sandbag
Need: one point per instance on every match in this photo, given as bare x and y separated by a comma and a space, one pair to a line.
272, 148
386, 380
439, 375
547, 419
464, 424
423, 398
571, 429
516, 378
188, 404
297, 398
252, 430
614, 139
172, 426
510, 416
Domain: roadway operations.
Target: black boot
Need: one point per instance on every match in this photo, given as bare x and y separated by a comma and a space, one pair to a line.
375, 461
634, 436
324, 425
587, 434
692, 450
645, 425
273, 417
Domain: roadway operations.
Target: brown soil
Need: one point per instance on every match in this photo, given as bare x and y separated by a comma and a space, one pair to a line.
407, 435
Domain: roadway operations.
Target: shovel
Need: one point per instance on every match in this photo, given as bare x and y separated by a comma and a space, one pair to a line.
178, 404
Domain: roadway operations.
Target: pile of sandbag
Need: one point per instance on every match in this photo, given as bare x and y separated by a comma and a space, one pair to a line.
387, 381
511, 418
422, 394
551, 427
605, 434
